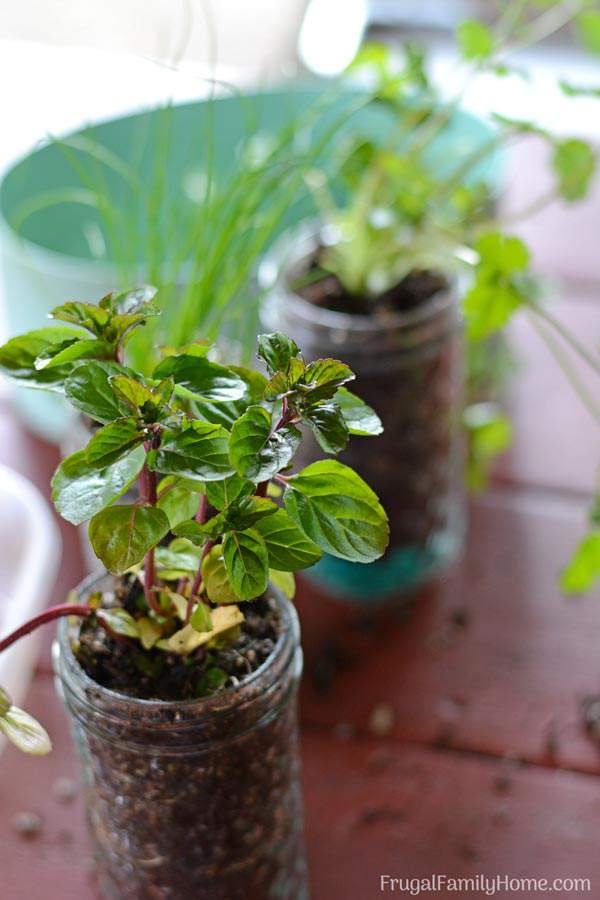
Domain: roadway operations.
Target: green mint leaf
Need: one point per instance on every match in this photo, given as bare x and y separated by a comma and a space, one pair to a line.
122, 535
488, 308
475, 40
221, 494
277, 387
120, 621
246, 562
215, 579
131, 302
200, 451
257, 454
89, 390
180, 504
287, 545
226, 413
277, 350
18, 356
583, 568
574, 164
323, 377
285, 581
25, 732
201, 619
328, 426
113, 440
199, 378
360, 419
180, 558
80, 489
70, 351
86, 315
247, 511
338, 511
199, 533
502, 253
131, 391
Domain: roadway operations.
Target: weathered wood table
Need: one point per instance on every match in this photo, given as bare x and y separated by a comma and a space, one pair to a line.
451, 741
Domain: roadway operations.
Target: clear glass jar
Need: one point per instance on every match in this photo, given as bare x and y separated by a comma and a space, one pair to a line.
195, 798
409, 368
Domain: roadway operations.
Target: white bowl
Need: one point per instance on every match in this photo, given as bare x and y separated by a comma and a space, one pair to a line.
30, 551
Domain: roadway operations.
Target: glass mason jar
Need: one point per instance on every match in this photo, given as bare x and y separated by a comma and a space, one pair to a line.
194, 798
409, 368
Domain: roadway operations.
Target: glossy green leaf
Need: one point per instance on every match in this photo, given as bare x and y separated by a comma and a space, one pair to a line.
338, 511
199, 451
122, 535
257, 454
25, 732
288, 547
246, 562
277, 350
324, 376
179, 503
221, 493
179, 558
18, 356
80, 488
119, 621
87, 315
113, 440
89, 389
198, 377
215, 579
360, 419
199, 533
328, 426
475, 40
136, 300
70, 351
131, 391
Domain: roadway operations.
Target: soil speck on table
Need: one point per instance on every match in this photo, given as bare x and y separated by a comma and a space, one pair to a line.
27, 824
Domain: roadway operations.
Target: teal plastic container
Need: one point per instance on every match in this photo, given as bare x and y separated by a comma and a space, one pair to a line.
56, 245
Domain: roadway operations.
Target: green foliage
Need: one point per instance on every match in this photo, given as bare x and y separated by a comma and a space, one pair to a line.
588, 27
574, 164
23, 730
490, 434
475, 40
338, 511
198, 450
583, 568
122, 535
258, 451
499, 288
246, 562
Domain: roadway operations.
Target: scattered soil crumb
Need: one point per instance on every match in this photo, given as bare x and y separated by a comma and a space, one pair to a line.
27, 824
502, 783
461, 618
64, 789
468, 851
501, 815
371, 814
380, 760
381, 720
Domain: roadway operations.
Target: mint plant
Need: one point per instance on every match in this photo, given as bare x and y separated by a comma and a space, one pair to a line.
220, 512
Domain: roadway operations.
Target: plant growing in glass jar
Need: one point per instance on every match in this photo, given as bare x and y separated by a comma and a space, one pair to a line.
179, 666
379, 274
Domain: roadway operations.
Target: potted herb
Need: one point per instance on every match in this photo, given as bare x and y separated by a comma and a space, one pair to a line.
179, 666
405, 232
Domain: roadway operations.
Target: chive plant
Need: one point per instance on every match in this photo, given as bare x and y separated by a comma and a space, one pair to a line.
220, 513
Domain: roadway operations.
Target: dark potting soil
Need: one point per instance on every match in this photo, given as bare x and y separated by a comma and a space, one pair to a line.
325, 289
155, 675
413, 466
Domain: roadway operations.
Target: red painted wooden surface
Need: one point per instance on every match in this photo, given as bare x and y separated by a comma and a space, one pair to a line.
446, 741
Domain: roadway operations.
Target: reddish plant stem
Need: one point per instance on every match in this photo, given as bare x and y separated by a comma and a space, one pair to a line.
201, 514
55, 612
148, 492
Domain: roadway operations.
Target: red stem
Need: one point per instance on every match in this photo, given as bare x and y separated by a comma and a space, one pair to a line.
148, 492
55, 612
